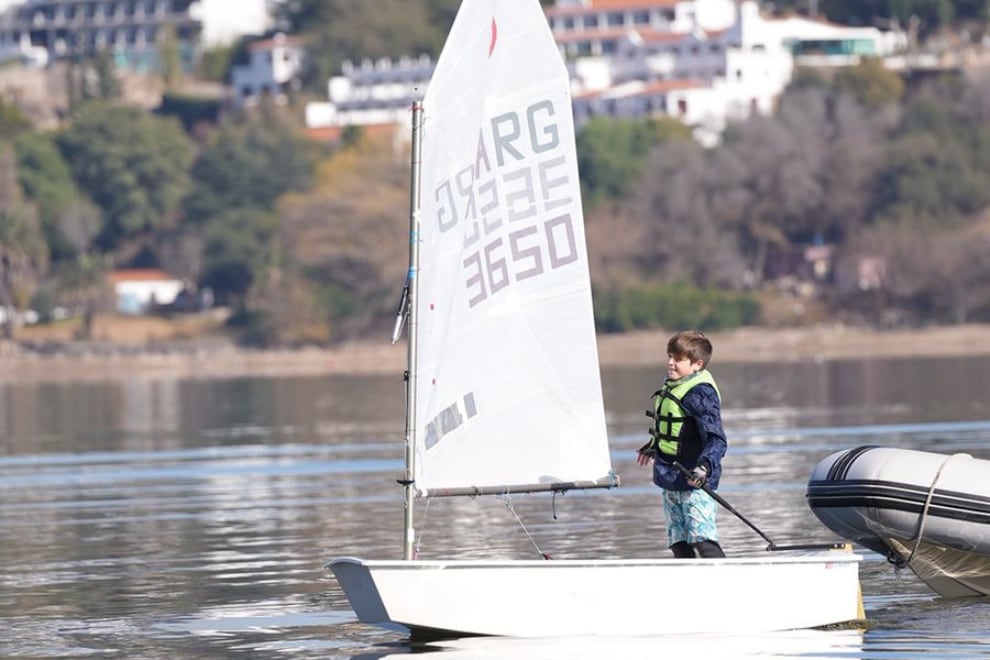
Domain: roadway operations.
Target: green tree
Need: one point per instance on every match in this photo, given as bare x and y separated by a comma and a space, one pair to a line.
94, 77
249, 165
214, 64
240, 247
106, 84
871, 83
929, 182
935, 169
13, 122
932, 14
613, 152
134, 166
170, 58
47, 180
23, 252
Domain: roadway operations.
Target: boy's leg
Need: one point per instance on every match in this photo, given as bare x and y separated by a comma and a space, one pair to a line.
674, 517
700, 524
709, 549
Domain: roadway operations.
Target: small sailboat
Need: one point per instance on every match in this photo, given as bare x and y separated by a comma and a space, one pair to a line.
924, 510
503, 384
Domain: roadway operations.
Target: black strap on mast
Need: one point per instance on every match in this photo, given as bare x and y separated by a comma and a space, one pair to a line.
402, 312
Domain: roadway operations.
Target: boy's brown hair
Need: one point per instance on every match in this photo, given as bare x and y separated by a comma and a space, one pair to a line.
690, 344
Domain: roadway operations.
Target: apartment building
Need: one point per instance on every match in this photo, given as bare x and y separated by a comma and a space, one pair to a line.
372, 92
38, 31
705, 62
599, 27
718, 63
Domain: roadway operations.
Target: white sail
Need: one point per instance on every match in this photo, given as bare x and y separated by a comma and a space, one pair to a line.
508, 388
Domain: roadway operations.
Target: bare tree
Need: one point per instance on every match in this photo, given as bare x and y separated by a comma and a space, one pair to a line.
679, 237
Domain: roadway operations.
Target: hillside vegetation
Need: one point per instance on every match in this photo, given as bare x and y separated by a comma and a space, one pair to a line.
306, 243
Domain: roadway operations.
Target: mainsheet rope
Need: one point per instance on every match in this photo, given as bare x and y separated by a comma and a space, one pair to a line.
419, 537
508, 505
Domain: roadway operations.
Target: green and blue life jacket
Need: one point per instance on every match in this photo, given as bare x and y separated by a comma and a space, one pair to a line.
675, 435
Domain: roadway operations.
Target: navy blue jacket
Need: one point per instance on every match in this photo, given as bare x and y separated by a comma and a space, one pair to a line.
702, 403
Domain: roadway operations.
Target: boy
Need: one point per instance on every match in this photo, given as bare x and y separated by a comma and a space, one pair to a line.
687, 429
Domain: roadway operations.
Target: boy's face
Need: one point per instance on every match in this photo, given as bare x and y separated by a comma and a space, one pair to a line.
680, 366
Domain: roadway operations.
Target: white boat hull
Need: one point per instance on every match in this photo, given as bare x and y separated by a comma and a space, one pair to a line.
604, 597
927, 510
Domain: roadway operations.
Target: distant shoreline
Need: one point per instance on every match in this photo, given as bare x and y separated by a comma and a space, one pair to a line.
832, 342
371, 357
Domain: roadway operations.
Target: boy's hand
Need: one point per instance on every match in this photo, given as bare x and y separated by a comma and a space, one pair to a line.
699, 476
645, 454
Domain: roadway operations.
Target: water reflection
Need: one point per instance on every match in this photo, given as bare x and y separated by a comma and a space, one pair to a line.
805, 644
157, 414
827, 393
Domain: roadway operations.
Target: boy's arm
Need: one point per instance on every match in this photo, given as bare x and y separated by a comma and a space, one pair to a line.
703, 404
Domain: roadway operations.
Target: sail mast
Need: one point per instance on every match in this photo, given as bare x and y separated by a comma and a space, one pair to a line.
409, 531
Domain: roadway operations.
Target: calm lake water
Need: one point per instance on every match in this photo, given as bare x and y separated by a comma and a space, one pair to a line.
191, 518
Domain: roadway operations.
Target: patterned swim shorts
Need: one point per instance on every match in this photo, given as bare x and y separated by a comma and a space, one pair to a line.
690, 516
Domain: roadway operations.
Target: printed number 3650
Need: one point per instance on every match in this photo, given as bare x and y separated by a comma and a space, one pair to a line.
524, 253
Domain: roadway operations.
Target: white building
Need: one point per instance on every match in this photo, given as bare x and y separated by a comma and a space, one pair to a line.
727, 70
597, 27
131, 29
273, 70
139, 290
226, 21
705, 62
372, 93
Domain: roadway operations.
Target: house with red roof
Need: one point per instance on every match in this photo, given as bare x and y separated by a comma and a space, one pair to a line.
139, 290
